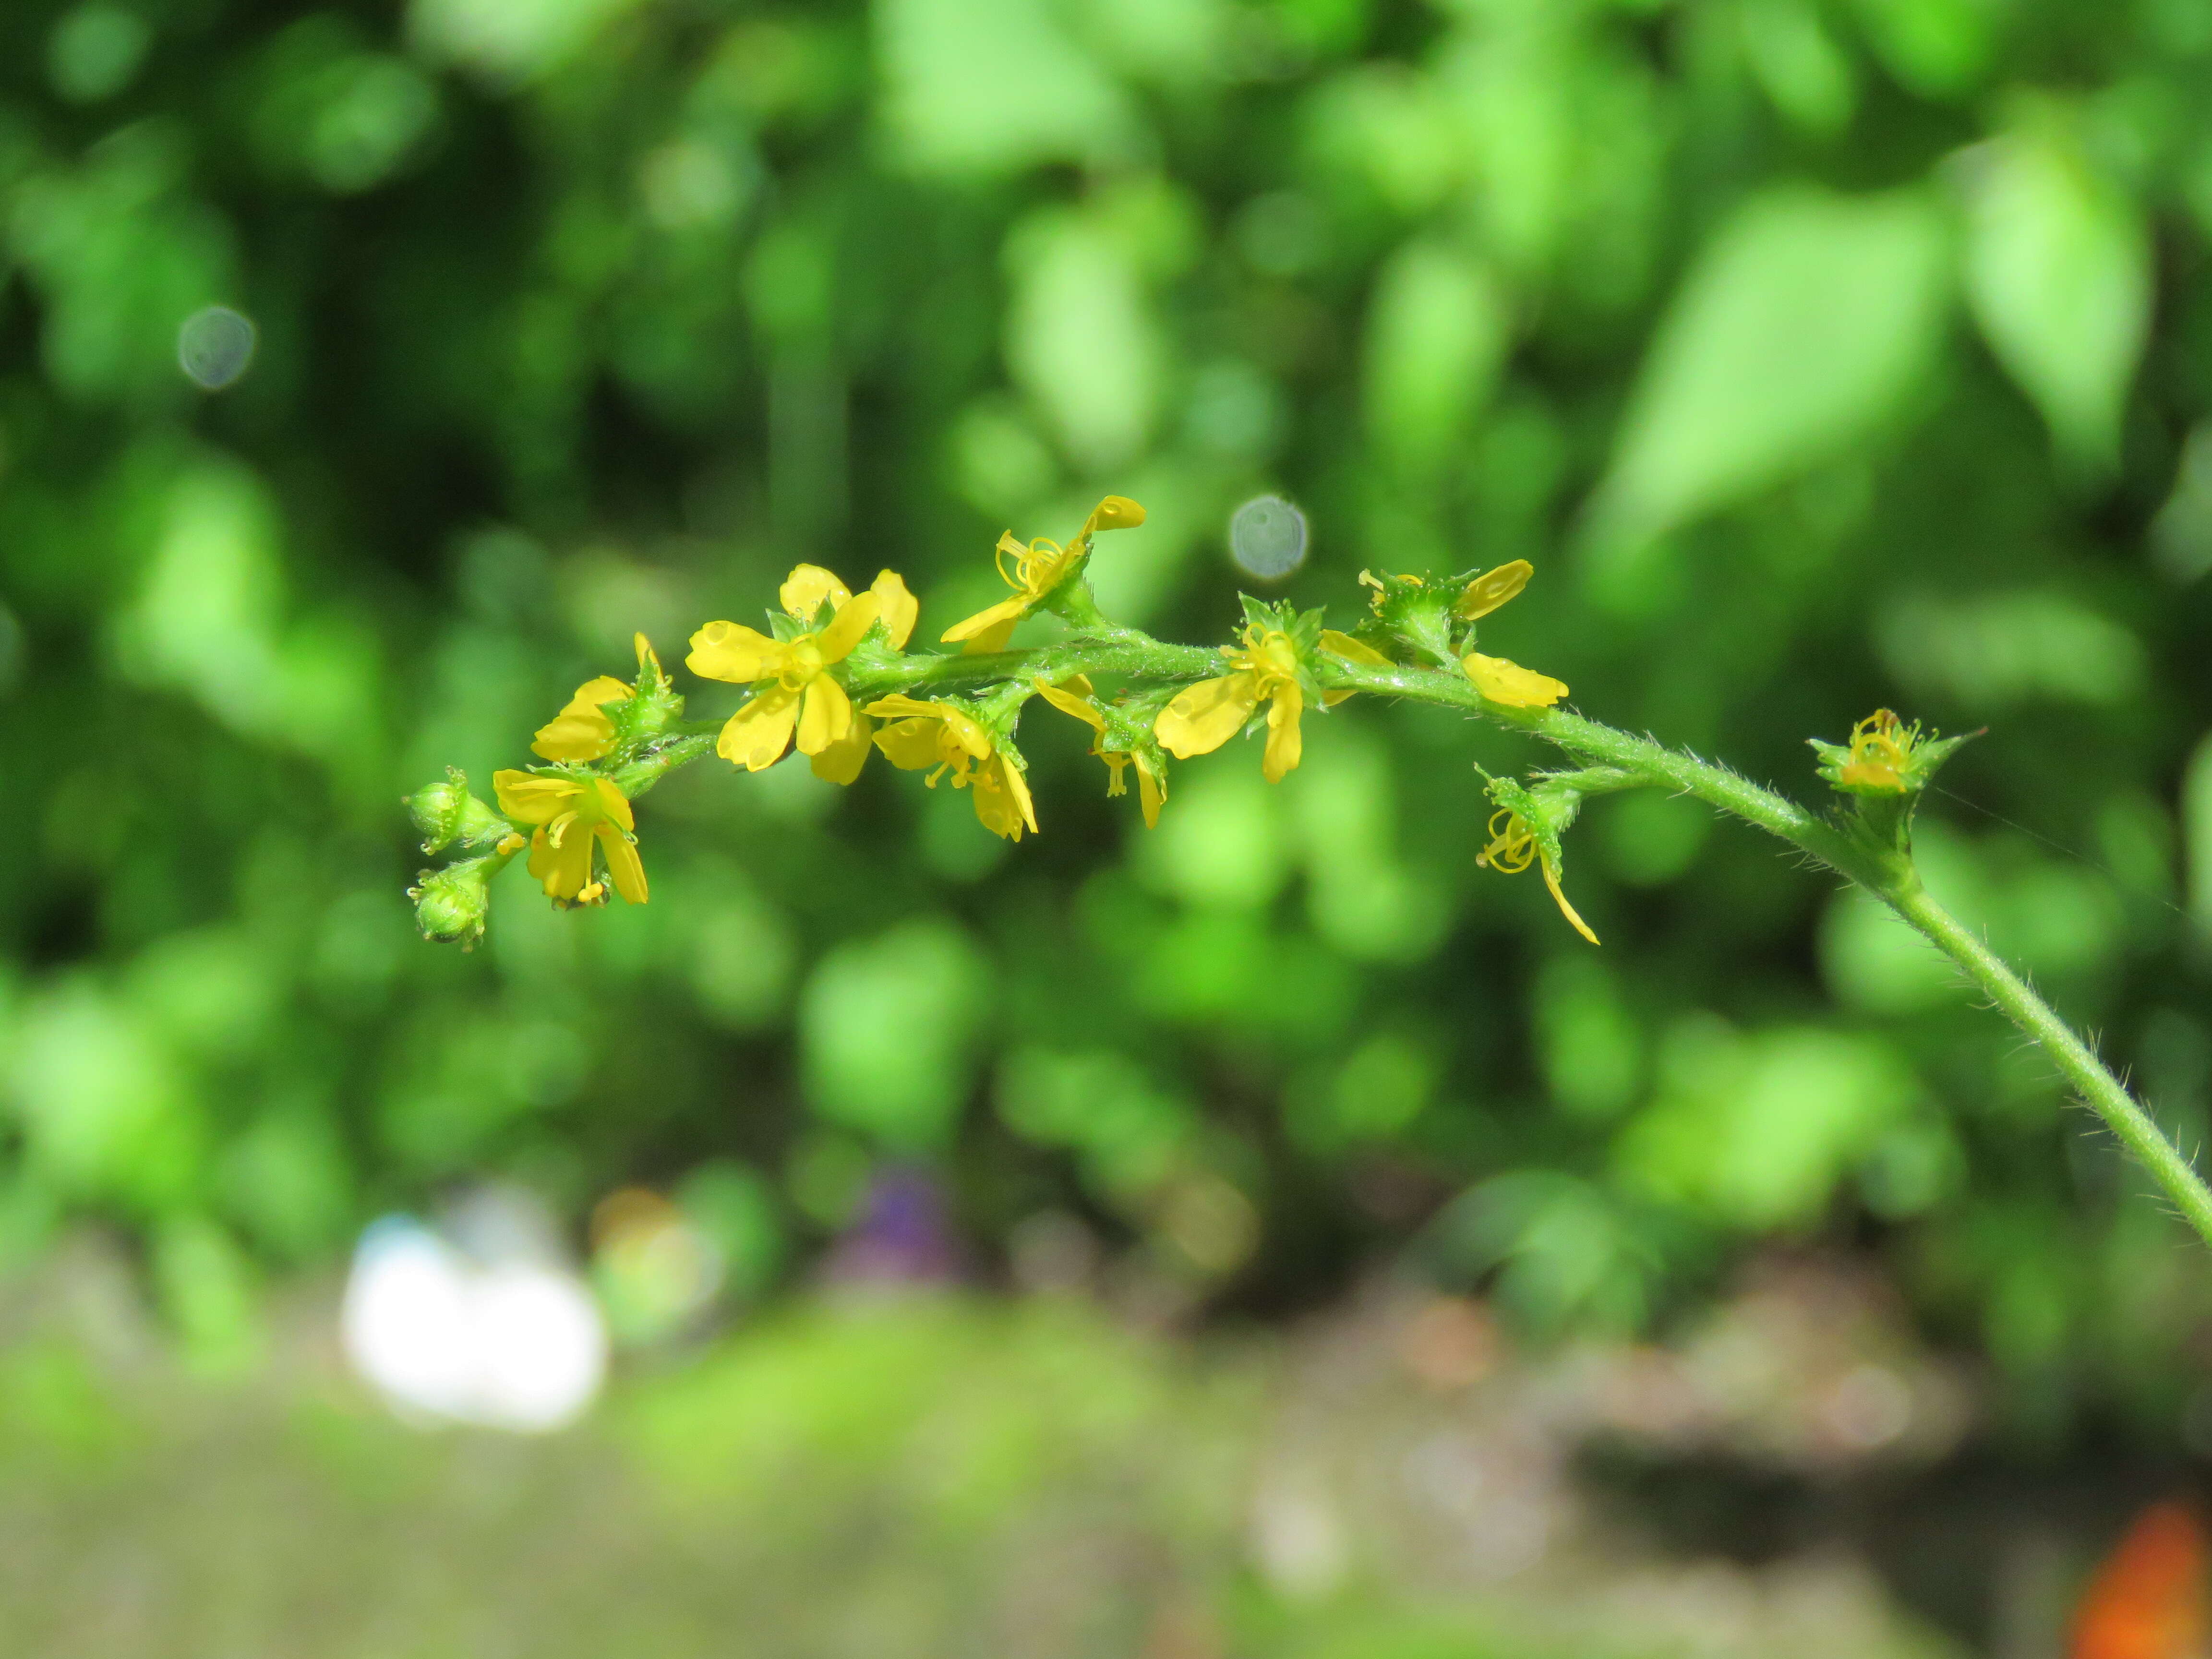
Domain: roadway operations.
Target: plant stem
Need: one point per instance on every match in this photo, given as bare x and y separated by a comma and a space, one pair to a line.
1889, 879
2106, 1095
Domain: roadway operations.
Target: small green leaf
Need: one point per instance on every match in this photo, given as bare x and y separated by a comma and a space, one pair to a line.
1437, 337
1800, 331
2058, 277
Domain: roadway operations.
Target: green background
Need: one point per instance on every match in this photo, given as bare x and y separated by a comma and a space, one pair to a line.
1820, 356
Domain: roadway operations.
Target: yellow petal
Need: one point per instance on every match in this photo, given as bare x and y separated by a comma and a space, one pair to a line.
582, 731
854, 619
841, 763
648, 660
910, 744
825, 715
964, 731
1114, 513
1349, 650
1152, 792
1068, 703
1000, 617
1493, 587
1002, 798
1285, 745
1205, 716
896, 607
899, 706
806, 587
613, 804
756, 735
1017, 785
562, 864
1551, 881
1353, 650
730, 651
1511, 684
529, 799
997, 637
623, 864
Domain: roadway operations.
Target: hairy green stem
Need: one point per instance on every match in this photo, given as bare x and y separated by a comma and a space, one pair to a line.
2106, 1095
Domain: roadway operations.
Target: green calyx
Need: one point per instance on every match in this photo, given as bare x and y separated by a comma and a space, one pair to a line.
447, 815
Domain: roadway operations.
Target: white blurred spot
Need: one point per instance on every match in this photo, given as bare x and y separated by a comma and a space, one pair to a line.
215, 347
1268, 537
1870, 1408
1299, 1537
498, 1336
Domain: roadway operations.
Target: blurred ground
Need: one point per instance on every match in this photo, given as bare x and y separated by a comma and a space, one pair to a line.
931, 1472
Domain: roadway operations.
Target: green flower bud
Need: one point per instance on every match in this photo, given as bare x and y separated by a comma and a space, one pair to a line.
447, 812
451, 904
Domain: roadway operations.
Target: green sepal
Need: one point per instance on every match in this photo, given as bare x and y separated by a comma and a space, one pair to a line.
1548, 810
1417, 611
651, 709
451, 904
446, 813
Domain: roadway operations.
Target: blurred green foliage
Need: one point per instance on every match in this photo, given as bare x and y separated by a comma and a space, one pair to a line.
1820, 355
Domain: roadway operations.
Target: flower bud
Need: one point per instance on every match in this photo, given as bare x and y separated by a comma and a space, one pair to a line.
447, 812
451, 904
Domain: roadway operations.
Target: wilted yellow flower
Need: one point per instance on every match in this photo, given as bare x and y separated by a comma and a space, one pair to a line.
569, 814
805, 697
1205, 716
921, 736
1369, 579
1073, 696
1513, 846
582, 731
1881, 743
1037, 569
1494, 677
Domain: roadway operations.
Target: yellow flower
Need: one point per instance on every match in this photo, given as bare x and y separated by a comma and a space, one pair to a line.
582, 732
1073, 696
1037, 569
946, 737
1513, 846
1205, 716
569, 814
1499, 680
804, 696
